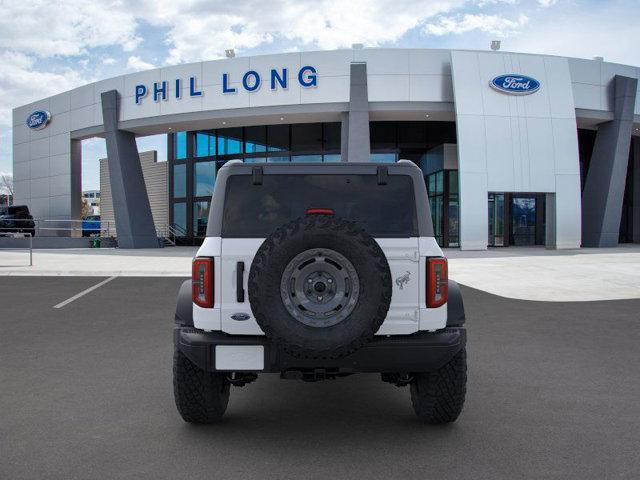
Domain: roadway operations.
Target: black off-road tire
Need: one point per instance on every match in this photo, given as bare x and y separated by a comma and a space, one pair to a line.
318, 232
201, 397
438, 397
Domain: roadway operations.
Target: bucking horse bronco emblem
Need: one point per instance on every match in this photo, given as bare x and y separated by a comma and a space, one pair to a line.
403, 279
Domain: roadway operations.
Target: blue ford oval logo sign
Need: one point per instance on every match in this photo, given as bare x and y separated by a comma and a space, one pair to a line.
515, 84
240, 317
38, 119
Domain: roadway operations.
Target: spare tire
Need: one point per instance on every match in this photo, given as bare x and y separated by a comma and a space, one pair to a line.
320, 287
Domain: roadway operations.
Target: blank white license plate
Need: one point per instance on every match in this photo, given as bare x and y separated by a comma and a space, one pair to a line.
239, 357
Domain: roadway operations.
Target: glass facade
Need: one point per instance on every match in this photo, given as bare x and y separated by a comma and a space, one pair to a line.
442, 187
180, 146
196, 156
438, 166
496, 220
205, 144
180, 180
200, 216
204, 177
179, 212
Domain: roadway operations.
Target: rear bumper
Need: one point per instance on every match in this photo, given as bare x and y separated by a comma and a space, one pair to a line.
420, 352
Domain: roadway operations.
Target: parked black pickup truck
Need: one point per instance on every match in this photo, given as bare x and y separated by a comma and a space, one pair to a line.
17, 219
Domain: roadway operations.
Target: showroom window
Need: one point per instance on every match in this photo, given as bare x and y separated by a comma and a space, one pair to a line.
255, 139
180, 216
180, 180
200, 217
180, 145
204, 177
306, 137
229, 141
278, 137
205, 145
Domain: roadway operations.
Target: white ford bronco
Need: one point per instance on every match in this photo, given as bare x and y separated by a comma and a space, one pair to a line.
317, 271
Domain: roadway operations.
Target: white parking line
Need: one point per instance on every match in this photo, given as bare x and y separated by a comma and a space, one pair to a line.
83, 293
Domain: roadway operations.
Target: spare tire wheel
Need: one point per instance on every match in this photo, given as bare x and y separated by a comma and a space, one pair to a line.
320, 287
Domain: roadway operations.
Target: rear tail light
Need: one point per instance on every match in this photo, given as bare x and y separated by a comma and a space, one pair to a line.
202, 282
437, 282
320, 211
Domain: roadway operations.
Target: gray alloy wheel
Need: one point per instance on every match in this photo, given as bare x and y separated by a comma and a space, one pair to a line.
320, 287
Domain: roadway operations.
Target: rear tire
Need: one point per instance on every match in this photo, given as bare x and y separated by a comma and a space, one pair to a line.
201, 397
438, 397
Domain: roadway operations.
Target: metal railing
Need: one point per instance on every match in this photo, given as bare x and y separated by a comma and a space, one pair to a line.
78, 228
46, 227
171, 232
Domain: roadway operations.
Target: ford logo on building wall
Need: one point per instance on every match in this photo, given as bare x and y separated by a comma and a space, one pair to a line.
38, 119
515, 84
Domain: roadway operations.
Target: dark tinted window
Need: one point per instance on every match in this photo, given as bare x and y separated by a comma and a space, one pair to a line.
278, 137
412, 134
255, 139
229, 141
306, 136
332, 136
256, 210
383, 135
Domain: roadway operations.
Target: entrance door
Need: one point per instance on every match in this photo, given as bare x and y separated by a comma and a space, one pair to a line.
523, 220
496, 220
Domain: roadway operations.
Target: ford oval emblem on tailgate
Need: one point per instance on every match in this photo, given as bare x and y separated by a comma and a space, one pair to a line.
240, 317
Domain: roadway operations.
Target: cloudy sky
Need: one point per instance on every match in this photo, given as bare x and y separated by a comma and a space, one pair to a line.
47, 47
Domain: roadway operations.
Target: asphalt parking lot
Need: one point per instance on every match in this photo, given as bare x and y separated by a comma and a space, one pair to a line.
85, 392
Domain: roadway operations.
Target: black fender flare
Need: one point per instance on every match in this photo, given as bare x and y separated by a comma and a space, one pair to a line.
184, 307
455, 306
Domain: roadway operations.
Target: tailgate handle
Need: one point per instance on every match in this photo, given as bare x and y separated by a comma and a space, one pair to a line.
239, 282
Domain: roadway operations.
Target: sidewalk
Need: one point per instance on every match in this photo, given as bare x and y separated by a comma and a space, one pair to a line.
521, 273
534, 273
154, 262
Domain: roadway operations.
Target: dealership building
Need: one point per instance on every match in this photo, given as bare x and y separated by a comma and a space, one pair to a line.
516, 149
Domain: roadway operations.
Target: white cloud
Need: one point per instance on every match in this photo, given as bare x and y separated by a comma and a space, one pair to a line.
135, 63
108, 61
491, 24
324, 24
484, 3
20, 83
547, 3
587, 37
71, 27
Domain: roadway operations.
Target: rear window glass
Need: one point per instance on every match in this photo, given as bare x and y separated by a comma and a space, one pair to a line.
257, 210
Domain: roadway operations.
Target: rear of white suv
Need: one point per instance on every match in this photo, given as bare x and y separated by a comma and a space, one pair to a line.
318, 271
